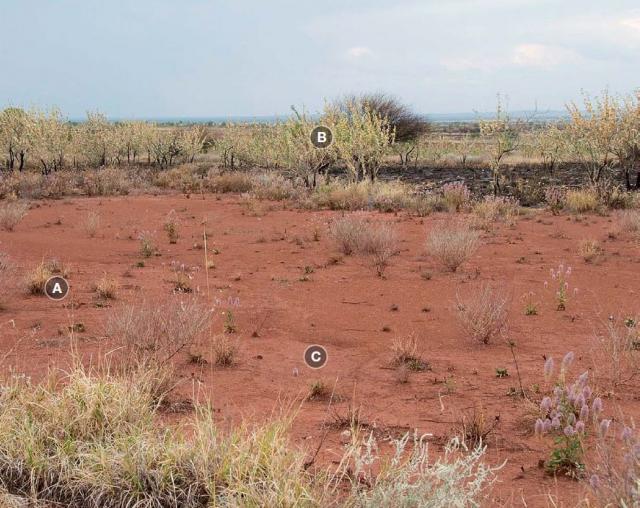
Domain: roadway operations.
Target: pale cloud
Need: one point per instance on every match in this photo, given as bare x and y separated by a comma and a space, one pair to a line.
633, 23
359, 52
542, 55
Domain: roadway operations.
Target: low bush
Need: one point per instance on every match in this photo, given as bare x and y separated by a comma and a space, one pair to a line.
452, 244
152, 333
492, 209
11, 213
482, 314
227, 182
590, 250
582, 200
91, 223
628, 221
456, 196
107, 287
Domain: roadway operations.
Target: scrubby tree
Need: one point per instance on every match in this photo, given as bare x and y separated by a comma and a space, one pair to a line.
191, 141
502, 138
407, 126
51, 137
591, 134
362, 137
15, 124
298, 154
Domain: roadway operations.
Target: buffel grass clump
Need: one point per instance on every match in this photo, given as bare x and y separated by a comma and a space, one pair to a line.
94, 441
482, 314
11, 213
452, 244
582, 200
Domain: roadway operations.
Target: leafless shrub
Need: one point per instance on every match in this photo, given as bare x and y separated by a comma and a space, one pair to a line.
11, 213
380, 244
153, 332
452, 244
347, 233
616, 351
354, 235
482, 314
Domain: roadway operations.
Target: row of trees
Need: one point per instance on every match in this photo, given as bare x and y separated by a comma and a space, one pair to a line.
600, 135
46, 139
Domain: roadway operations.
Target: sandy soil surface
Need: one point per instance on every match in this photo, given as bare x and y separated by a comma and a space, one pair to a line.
259, 274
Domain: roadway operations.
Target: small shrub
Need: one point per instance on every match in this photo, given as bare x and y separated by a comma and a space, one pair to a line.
229, 322
181, 278
91, 223
493, 209
11, 213
452, 245
582, 200
171, 226
147, 244
628, 221
152, 333
568, 415
347, 233
318, 390
590, 250
107, 287
456, 196
457, 478
224, 350
483, 313
230, 182
404, 351
560, 280
475, 428
380, 244
37, 277
555, 198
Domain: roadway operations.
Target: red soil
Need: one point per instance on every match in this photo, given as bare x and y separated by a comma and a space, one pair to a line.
262, 257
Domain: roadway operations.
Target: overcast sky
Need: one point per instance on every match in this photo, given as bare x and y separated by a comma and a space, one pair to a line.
153, 58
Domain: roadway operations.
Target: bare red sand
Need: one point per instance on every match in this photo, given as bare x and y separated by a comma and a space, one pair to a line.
261, 260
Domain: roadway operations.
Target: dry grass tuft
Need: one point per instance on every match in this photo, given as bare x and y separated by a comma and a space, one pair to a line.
107, 287
225, 350
91, 223
582, 200
590, 250
483, 313
11, 213
452, 244
493, 209
354, 235
628, 221
404, 353
36, 278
